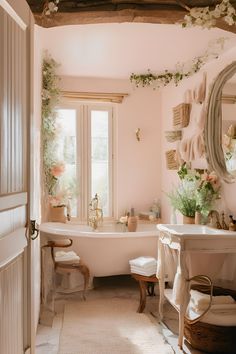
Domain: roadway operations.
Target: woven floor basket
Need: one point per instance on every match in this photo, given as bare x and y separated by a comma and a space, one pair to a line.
211, 338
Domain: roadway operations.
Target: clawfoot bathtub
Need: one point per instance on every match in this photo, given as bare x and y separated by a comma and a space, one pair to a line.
106, 251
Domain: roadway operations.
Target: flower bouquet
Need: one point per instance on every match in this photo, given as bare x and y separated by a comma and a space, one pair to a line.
196, 192
207, 193
60, 206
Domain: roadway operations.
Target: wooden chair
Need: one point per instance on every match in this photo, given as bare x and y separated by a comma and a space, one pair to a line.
146, 285
68, 265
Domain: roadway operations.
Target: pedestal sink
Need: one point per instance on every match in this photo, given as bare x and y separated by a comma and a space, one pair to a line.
191, 229
190, 241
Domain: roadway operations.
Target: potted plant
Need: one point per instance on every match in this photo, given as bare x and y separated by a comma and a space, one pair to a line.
196, 193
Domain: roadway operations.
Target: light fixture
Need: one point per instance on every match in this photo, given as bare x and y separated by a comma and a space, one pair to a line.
137, 132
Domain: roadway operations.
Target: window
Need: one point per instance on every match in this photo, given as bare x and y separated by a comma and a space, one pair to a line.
86, 145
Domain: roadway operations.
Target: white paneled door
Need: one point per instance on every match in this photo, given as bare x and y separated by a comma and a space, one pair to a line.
16, 332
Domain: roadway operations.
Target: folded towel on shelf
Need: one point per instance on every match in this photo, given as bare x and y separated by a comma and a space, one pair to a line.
62, 256
144, 271
216, 317
216, 308
223, 307
200, 301
154, 266
143, 262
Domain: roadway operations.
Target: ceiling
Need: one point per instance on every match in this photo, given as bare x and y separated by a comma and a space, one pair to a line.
116, 50
113, 38
117, 11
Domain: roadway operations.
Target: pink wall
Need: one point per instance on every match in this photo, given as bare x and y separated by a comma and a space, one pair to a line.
141, 173
172, 96
138, 179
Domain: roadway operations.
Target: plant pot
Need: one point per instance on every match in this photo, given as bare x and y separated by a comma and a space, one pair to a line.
188, 219
57, 214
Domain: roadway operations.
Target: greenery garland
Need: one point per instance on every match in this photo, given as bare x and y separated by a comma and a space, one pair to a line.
50, 97
181, 72
206, 18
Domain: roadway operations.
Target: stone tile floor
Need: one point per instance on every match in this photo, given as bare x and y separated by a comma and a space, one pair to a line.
47, 339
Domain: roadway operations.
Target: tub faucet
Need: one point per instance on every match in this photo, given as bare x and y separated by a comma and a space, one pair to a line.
95, 213
211, 215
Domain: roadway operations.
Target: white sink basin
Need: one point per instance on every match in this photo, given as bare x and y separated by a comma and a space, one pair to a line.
191, 229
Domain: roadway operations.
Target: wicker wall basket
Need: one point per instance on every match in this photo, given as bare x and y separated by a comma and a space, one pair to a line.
171, 163
173, 135
181, 115
212, 338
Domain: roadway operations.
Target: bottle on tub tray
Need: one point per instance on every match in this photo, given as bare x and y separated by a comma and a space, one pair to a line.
132, 221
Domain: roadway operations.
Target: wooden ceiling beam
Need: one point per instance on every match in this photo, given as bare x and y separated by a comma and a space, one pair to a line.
127, 15
113, 5
74, 12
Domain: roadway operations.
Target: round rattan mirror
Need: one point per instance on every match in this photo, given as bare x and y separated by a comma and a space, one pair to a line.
213, 126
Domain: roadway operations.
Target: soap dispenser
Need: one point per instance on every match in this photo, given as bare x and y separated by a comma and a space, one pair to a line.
132, 221
232, 223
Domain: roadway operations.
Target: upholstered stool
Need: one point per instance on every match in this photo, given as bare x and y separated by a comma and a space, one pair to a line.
146, 285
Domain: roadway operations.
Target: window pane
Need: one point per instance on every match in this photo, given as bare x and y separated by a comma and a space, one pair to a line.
100, 157
67, 153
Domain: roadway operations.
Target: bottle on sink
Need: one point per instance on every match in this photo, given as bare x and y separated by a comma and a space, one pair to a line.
232, 223
132, 221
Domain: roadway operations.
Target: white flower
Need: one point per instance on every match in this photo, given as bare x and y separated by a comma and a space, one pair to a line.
51, 6
188, 19
231, 10
229, 20
217, 12
199, 21
45, 94
203, 16
124, 219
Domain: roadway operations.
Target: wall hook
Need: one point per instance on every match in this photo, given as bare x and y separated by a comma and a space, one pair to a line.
137, 132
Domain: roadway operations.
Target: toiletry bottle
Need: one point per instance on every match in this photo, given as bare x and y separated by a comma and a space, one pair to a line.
232, 223
68, 211
132, 221
223, 223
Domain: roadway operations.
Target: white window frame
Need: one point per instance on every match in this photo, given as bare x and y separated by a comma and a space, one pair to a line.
83, 152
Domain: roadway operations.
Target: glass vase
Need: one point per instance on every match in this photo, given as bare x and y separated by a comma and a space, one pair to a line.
198, 218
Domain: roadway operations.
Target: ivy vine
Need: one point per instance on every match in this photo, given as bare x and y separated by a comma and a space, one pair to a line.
182, 71
50, 98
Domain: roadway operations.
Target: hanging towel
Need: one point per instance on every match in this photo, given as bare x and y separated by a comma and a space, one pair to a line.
199, 93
